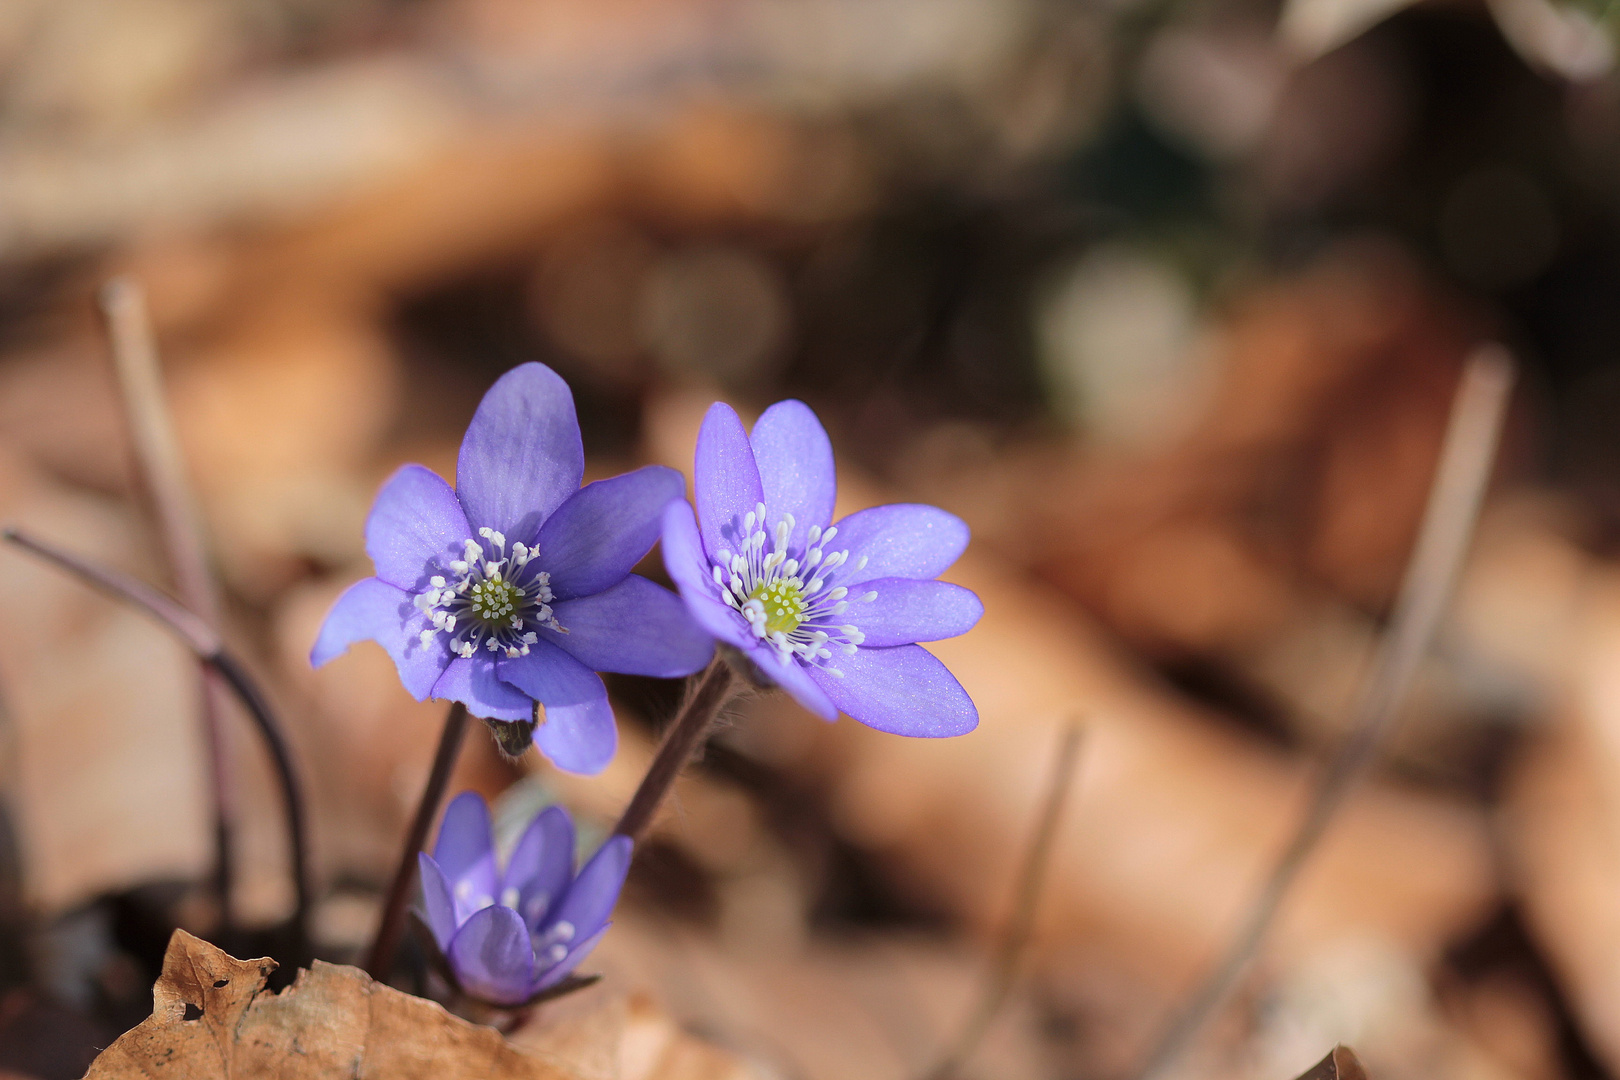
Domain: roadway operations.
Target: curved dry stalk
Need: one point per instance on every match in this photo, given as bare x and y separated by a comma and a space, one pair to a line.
1466, 458
161, 466
1003, 971
206, 644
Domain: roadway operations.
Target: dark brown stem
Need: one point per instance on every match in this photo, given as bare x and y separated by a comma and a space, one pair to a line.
380, 960
206, 644
161, 466
1459, 484
1015, 938
704, 699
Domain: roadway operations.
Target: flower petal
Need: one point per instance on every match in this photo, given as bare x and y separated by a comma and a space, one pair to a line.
689, 568
906, 540
415, 521
591, 897
904, 691
635, 627
373, 610
559, 971
578, 733
725, 479
438, 903
599, 534
795, 461
541, 866
492, 956
522, 455
793, 677
465, 851
472, 681
906, 611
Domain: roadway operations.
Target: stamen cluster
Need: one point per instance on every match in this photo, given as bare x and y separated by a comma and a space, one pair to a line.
790, 599
493, 601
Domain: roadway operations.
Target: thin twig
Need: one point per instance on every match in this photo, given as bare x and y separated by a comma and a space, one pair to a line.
206, 645
1003, 972
380, 960
162, 472
704, 699
1466, 458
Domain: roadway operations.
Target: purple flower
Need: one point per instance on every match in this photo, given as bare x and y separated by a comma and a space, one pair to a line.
831, 613
509, 935
515, 587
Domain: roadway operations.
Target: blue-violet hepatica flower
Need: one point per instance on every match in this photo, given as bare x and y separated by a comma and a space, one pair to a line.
831, 613
515, 586
509, 934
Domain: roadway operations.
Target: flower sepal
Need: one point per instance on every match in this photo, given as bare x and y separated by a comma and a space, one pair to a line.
514, 737
743, 664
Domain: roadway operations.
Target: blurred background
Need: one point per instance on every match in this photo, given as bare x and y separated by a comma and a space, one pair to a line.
1167, 298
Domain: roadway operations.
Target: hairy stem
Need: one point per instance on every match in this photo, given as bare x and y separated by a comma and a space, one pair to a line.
161, 466
705, 697
380, 960
207, 646
1464, 470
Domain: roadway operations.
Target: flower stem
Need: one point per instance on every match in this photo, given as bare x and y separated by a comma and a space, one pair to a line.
380, 960
161, 466
1464, 470
705, 697
206, 644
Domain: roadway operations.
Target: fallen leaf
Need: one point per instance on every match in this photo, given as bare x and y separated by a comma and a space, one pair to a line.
210, 1018
1340, 1064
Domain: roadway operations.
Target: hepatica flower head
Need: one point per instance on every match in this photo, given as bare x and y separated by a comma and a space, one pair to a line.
515, 586
509, 933
830, 612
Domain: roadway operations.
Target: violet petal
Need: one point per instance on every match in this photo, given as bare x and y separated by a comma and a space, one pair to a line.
465, 851
373, 610
472, 681
542, 865
906, 611
556, 973
795, 462
904, 690
438, 903
416, 521
636, 628
578, 733
522, 455
598, 535
688, 567
725, 479
492, 956
906, 540
590, 899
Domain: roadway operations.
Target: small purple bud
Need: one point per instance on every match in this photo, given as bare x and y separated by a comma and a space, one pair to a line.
509, 934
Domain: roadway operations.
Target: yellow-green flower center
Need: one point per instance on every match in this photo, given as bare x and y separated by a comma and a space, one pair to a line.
494, 600
784, 604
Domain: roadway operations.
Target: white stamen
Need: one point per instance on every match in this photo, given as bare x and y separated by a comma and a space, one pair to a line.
786, 589
496, 603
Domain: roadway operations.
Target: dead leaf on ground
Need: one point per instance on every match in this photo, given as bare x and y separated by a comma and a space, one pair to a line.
1340, 1064
210, 1019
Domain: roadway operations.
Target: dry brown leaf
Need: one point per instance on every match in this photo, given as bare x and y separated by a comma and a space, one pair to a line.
210, 1019
1340, 1064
